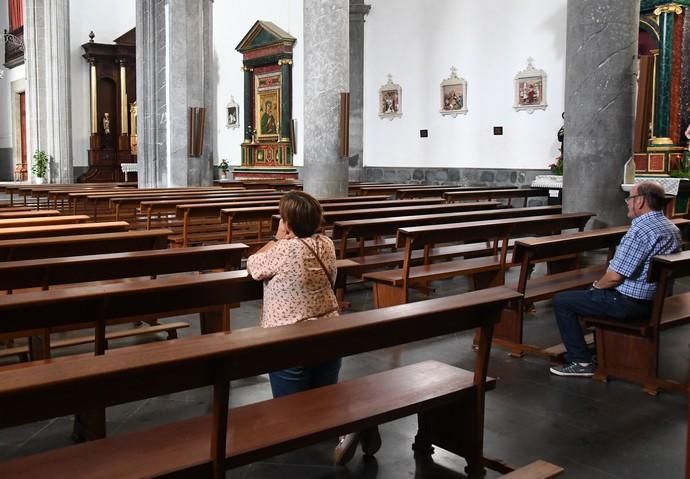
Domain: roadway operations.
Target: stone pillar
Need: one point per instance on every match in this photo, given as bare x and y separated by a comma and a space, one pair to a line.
358, 10
174, 73
662, 106
326, 75
601, 71
48, 98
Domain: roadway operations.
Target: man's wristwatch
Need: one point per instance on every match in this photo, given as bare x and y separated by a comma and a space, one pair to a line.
594, 285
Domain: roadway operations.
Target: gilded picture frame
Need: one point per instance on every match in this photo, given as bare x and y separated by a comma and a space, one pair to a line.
390, 100
453, 95
530, 89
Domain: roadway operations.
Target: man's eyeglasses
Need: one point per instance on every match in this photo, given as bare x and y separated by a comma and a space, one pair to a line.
631, 197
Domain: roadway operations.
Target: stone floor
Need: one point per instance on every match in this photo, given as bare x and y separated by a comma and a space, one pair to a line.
594, 430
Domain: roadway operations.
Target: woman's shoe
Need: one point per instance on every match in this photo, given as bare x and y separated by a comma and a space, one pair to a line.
371, 441
345, 449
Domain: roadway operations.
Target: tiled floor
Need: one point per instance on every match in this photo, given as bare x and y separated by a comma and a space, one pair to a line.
593, 430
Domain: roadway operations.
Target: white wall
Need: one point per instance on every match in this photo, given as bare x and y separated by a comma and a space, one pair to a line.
108, 19
232, 19
489, 43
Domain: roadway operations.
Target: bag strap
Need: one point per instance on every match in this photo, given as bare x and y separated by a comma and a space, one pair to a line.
323, 267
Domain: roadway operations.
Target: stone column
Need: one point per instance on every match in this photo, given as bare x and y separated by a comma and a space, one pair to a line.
358, 10
174, 73
326, 75
601, 71
48, 98
662, 100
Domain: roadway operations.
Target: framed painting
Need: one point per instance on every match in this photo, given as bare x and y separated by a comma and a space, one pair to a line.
530, 89
232, 112
454, 95
390, 100
267, 106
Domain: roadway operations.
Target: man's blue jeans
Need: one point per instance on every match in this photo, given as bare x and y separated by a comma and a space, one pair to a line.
301, 378
569, 305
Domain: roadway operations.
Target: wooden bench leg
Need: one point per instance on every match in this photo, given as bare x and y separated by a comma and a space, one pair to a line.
452, 428
387, 295
488, 279
215, 321
39, 346
509, 330
89, 425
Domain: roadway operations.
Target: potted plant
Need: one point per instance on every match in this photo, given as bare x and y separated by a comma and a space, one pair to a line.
40, 166
224, 166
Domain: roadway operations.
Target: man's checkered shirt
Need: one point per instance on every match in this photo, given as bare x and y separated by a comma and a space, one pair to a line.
649, 235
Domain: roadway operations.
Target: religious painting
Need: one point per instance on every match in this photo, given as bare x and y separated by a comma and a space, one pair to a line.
390, 100
232, 111
267, 106
530, 89
453, 95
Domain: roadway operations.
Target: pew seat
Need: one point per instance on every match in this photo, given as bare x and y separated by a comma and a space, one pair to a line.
260, 430
169, 328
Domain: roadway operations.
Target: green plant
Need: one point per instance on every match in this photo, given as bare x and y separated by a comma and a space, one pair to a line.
557, 167
224, 166
684, 168
40, 164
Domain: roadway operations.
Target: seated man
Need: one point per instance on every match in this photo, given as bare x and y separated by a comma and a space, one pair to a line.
623, 291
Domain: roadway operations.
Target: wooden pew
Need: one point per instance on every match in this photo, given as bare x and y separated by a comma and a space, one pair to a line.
18, 275
33, 248
380, 227
85, 201
42, 221
487, 195
62, 230
566, 271
26, 213
372, 227
391, 287
423, 192
169, 207
228, 213
332, 217
449, 401
630, 349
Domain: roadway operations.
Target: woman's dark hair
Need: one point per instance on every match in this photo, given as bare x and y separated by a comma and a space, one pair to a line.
654, 194
302, 212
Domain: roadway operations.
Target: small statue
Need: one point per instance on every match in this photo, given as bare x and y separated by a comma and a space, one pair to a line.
106, 123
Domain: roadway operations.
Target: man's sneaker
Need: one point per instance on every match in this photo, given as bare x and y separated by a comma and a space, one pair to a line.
574, 369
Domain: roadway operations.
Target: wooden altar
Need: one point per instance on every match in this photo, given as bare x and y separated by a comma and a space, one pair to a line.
112, 96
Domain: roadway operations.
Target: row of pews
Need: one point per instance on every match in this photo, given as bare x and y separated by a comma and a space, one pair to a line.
57, 278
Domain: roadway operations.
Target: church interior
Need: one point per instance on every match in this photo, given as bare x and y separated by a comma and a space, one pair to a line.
475, 168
